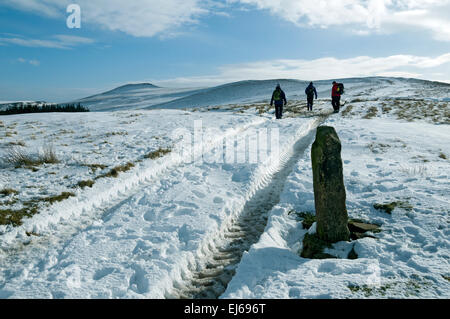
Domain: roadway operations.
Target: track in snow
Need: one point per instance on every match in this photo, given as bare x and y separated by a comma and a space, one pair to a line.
223, 257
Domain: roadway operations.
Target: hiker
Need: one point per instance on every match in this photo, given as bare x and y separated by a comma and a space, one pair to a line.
336, 96
278, 97
310, 92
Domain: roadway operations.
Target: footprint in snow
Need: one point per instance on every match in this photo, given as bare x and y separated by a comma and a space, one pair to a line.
138, 282
99, 274
198, 194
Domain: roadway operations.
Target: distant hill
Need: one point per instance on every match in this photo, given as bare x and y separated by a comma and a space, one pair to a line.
149, 96
133, 96
129, 87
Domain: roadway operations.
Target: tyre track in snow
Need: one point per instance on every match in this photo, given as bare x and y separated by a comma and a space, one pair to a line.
62, 220
221, 256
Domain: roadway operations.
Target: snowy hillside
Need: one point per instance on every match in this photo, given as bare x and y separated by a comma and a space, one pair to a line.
148, 96
206, 199
133, 96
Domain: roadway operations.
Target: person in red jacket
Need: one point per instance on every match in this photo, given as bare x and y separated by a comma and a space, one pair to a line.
335, 97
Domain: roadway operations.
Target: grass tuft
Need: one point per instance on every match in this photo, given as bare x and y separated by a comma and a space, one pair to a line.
58, 198
114, 172
308, 218
19, 158
8, 191
389, 207
160, 152
88, 183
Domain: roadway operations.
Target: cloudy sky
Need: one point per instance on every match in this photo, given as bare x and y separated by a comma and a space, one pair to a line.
192, 43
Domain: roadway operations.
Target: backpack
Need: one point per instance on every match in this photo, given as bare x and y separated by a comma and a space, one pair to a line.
310, 90
277, 95
340, 88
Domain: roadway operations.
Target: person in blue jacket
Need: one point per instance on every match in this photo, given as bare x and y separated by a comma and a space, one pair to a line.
278, 97
310, 92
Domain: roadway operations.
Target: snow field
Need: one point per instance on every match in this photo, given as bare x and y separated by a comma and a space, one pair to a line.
105, 191
152, 237
410, 258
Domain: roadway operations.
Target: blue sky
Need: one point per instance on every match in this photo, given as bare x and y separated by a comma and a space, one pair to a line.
192, 43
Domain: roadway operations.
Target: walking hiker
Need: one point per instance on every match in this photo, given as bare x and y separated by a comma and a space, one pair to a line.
336, 91
278, 97
310, 93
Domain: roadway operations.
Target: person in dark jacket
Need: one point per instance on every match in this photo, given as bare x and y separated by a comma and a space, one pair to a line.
335, 97
278, 97
310, 92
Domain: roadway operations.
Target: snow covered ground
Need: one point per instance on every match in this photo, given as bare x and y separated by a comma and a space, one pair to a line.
384, 161
148, 229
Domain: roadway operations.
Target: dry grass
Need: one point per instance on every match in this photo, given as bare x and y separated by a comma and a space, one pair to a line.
87, 183
114, 172
389, 207
347, 110
122, 133
160, 152
371, 113
8, 191
94, 167
19, 158
14, 216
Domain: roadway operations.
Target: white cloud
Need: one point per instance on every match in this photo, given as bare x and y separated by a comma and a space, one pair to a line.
321, 69
363, 16
56, 42
141, 18
32, 62
147, 18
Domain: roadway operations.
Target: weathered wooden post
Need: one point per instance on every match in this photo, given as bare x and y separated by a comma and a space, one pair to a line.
329, 189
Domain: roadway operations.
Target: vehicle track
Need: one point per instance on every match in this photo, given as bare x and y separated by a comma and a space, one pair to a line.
216, 270
91, 206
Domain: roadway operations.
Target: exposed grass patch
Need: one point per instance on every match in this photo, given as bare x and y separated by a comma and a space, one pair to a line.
389, 207
114, 172
14, 217
10, 133
48, 156
94, 167
160, 152
8, 191
386, 109
371, 113
378, 147
261, 109
442, 155
19, 158
410, 288
307, 218
87, 183
313, 247
347, 110
120, 133
57, 198
64, 131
